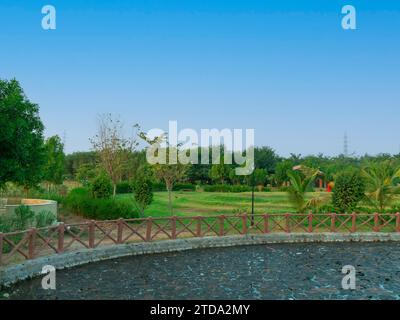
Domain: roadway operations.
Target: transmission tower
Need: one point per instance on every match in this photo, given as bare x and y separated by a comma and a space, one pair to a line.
346, 145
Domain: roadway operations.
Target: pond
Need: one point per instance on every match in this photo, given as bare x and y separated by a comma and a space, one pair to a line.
276, 271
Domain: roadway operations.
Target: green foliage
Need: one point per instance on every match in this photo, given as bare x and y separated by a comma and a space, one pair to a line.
260, 176
21, 137
300, 182
86, 173
80, 201
143, 193
382, 183
44, 219
24, 219
55, 160
226, 188
349, 190
102, 186
124, 187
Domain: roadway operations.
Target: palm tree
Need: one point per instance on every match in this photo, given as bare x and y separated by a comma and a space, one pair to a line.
381, 183
300, 182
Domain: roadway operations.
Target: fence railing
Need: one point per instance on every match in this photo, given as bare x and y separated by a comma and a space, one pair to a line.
29, 244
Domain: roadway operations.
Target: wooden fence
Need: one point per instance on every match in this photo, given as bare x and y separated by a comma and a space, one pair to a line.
29, 244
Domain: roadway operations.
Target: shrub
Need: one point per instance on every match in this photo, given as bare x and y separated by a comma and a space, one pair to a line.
184, 186
25, 218
160, 186
81, 202
124, 187
143, 193
227, 188
44, 219
349, 190
102, 186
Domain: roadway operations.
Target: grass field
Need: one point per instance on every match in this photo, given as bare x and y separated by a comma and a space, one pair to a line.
209, 203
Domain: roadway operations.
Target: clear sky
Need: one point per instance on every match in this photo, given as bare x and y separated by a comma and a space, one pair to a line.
285, 68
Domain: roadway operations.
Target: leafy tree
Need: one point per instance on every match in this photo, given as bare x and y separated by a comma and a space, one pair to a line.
55, 161
21, 137
265, 158
281, 170
168, 172
382, 180
349, 190
260, 178
76, 160
143, 193
86, 173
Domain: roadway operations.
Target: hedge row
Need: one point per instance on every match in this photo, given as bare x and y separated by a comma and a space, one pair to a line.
81, 201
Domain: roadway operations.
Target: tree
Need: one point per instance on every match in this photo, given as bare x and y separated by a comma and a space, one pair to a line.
112, 148
260, 177
54, 167
21, 137
143, 193
300, 182
166, 171
349, 190
265, 158
282, 168
381, 183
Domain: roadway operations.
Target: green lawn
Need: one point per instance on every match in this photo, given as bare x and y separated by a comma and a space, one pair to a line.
209, 203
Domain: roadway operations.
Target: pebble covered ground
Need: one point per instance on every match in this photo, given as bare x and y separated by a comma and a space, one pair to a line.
276, 271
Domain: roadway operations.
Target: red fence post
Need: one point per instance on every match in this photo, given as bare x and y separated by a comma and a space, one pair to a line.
221, 225
353, 222
198, 226
148, 228
333, 222
91, 233
120, 229
173, 227
287, 223
1, 247
310, 222
266, 223
397, 222
244, 223
60, 242
376, 222
31, 243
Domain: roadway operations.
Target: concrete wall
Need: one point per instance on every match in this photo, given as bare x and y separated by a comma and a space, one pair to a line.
31, 268
36, 205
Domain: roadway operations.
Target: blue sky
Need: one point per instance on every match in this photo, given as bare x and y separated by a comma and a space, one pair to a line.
285, 68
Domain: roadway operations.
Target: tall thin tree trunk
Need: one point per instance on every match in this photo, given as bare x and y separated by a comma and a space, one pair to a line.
114, 190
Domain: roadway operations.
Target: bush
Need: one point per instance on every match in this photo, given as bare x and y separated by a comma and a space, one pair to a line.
160, 186
102, 186
44, 219
349, 190
227, 188
24, 219
81, 202
143, 193
124, 187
